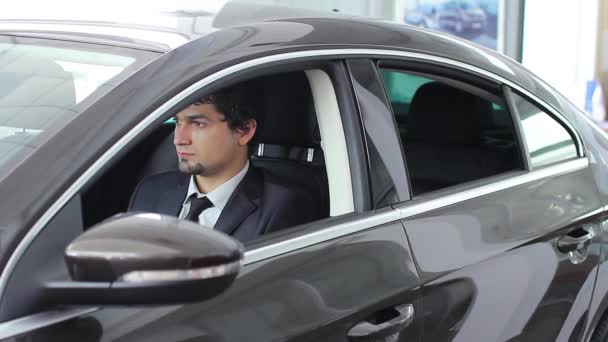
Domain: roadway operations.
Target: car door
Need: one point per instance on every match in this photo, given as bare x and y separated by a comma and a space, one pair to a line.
316, 293
347, 278
505, 251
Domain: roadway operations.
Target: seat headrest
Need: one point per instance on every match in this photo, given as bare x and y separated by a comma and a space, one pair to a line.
442, 114
287, 113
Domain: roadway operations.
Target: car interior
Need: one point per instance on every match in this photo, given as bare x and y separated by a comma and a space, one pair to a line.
452, 136
287, 144
463, 141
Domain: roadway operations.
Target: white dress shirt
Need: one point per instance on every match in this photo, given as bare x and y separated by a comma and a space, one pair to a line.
219, 197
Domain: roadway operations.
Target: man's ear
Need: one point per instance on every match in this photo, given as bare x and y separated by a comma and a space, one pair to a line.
246, 134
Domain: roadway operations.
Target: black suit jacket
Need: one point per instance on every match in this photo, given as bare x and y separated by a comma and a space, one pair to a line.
261, 203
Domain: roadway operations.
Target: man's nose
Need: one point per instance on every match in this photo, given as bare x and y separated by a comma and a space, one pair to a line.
181, 135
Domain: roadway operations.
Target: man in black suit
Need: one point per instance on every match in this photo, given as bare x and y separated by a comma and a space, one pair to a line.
217, 186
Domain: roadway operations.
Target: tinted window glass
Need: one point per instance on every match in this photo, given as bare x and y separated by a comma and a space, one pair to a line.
450, 136
401, 86
547, 140
44, 84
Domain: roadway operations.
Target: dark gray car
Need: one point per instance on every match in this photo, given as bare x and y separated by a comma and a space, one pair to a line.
465, 198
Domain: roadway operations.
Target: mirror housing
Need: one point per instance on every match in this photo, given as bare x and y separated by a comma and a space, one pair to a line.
147, 259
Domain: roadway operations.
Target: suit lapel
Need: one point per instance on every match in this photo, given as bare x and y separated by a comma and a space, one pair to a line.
173, 197
244, 200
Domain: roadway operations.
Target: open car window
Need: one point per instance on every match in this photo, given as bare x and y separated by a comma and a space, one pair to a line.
299, 140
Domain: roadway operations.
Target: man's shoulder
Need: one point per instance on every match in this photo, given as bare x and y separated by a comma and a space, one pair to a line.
150, 187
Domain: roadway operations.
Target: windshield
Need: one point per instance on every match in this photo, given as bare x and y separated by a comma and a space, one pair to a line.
44, 84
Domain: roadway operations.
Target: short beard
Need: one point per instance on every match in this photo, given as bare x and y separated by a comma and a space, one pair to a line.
196, 169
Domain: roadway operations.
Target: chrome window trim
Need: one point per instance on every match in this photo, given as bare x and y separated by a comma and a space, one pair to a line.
315, 237
344, 229
551, 171
330, 233
40, 320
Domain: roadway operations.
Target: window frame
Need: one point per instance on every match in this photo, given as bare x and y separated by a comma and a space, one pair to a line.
478, 86
518, 127
364, 77
460, 193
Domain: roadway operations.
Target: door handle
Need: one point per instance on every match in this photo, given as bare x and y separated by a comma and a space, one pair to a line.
368, 331
575, 240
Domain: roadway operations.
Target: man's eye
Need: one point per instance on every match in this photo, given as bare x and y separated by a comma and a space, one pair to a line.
198, 124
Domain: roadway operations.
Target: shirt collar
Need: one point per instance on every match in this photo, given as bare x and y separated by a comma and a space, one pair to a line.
220, 195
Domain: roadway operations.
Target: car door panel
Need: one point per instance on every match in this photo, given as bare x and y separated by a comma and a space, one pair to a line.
596, 143
316, 293
490, 267
487, 250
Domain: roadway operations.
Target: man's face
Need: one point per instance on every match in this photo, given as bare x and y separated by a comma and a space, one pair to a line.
205, 144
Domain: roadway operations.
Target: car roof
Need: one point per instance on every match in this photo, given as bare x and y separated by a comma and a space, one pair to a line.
366, 33
354, 32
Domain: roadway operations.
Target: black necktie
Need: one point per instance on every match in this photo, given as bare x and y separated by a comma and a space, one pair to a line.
197, 205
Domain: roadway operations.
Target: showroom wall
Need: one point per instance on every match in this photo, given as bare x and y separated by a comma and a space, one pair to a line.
559, 44
601, 66
372, 8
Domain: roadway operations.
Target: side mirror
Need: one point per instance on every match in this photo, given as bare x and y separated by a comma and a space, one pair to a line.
147, 259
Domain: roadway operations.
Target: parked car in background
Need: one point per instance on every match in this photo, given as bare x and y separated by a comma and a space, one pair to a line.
424, 15
461, 15
465, 198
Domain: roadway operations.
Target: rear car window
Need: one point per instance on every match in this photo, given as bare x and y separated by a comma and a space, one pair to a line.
547, 140
449, 135
45, 83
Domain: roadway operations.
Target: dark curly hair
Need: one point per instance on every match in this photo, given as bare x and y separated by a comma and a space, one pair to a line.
239, 104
